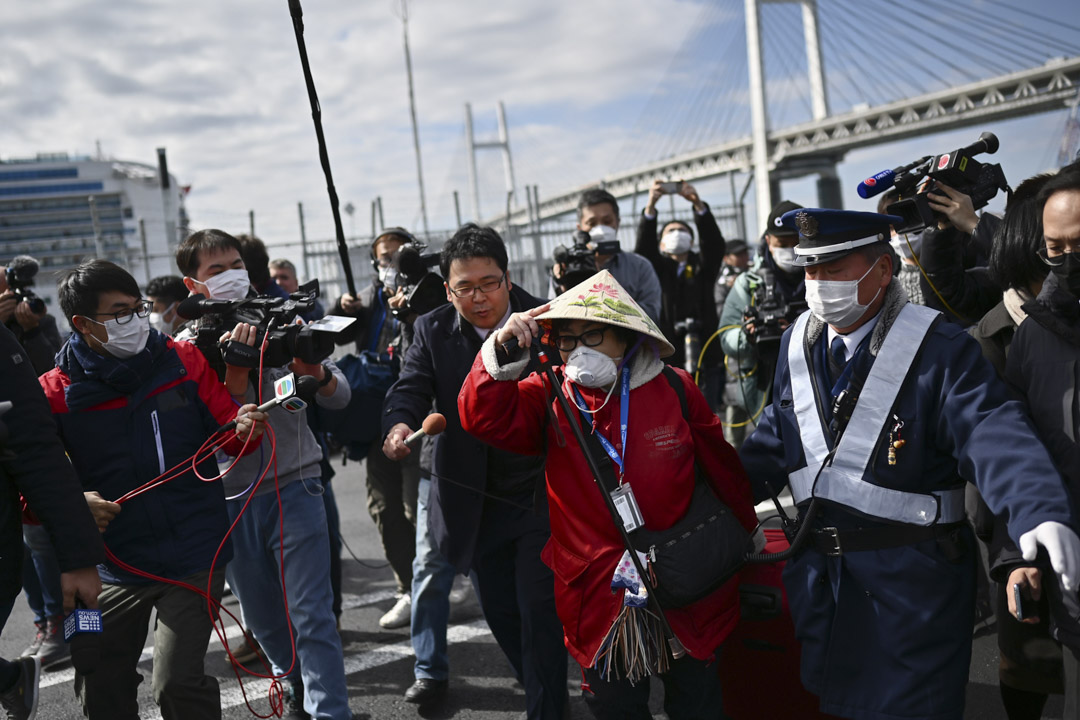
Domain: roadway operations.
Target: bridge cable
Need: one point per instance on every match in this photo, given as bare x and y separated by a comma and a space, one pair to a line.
1056, 22
1026, 53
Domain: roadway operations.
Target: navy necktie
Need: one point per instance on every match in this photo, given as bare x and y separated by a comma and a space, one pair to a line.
837, 357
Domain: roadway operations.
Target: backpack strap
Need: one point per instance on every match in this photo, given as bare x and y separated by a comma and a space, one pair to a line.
676, 384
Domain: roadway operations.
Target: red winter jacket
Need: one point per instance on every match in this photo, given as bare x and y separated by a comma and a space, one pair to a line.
585, 545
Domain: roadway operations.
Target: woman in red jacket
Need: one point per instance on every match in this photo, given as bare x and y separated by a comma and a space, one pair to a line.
611, 352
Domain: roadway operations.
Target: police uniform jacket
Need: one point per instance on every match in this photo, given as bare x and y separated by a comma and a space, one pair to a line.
887, 633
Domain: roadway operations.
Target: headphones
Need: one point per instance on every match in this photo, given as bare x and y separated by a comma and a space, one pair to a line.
398, 232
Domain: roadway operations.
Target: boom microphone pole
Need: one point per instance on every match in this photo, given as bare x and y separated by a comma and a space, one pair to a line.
316, 115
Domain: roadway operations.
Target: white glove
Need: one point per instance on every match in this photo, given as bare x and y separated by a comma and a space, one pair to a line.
759, 539
1063, 547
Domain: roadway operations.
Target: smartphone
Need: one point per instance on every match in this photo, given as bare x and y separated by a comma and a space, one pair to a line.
671, 188
1026, 607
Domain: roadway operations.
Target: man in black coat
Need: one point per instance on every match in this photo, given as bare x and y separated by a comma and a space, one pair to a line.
484, 510
33, 464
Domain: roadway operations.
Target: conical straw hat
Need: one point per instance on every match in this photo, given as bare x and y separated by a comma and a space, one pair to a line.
602, 299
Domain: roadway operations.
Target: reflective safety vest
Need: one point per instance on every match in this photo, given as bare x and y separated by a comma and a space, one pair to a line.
843, 480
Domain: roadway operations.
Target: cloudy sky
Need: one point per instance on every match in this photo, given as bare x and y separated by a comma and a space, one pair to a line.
590, 87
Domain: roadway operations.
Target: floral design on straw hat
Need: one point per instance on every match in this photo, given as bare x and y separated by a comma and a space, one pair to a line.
602, 299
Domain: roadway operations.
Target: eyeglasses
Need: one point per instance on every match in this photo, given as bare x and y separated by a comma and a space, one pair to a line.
589, 338
124, 316
484, 289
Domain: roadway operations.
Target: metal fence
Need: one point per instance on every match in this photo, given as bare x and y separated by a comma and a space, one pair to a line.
529, 248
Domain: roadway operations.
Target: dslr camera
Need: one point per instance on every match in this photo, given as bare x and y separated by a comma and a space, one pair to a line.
579, 260
767, 311
275, 321
958, 169
412, 272
20, 275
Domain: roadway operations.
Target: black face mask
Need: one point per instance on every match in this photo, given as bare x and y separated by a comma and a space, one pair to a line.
1068, 273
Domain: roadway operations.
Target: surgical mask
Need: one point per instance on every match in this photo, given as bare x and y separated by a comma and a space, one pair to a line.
676, 242
900, 244
388, 277
128, 339
1068, 273
784, 257
229, 285
603, 233
590, 368
836, 302
159, 323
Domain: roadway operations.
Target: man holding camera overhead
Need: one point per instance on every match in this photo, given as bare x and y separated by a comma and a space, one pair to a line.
267, 558
686, 277
25, 315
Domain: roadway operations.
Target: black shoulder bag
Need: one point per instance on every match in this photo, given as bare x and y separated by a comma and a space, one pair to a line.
694, 557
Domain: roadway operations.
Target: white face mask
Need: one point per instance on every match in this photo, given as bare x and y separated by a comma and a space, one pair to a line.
784, 257
836, 302
590, 368
229, 285
603, 233
676, 242
126, 340
159, 323
388, 277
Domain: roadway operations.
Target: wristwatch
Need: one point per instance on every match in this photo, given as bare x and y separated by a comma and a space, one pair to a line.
327, 377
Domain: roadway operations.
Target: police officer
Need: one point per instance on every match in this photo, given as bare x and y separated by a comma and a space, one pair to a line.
881, 413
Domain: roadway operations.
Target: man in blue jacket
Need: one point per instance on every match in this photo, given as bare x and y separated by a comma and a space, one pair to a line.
488, 512
881, 413
131, 404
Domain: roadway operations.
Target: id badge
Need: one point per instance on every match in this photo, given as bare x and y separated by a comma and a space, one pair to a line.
629, 513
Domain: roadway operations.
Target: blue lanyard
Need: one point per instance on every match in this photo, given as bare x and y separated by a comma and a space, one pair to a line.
624, 417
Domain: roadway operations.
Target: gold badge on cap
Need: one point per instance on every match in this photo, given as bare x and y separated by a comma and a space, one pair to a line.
807, 224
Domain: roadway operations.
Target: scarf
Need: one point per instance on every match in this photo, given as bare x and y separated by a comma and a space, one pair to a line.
97, 378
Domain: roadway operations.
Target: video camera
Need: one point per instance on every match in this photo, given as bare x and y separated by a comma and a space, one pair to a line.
766, 312
579, 260
957, 169
274, 318
423, 288
20, 274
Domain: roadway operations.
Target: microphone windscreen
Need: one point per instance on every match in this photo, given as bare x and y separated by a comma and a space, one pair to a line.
24, 266
306, 387
434, 424
191, 308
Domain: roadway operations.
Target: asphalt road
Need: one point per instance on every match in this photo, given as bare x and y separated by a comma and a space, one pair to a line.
379, 662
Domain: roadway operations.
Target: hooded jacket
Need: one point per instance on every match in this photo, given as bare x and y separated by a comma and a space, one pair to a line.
120, 441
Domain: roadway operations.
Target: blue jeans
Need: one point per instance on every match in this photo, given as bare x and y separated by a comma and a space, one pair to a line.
255, 576
41, 574
433, 577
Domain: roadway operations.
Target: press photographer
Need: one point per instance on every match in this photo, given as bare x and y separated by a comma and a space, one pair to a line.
762, 303
211, 261
25, 315
937, 196
596, 246
403, 288
687, 312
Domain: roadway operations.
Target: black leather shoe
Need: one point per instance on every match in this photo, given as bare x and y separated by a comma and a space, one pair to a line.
426, 691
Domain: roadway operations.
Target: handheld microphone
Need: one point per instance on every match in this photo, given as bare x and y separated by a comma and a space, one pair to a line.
293, 394
885, 179
876, 184
82, 630
434, 424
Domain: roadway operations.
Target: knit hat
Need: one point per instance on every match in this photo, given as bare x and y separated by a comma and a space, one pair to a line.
602, 299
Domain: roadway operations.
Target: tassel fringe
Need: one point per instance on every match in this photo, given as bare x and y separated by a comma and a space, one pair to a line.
634, 647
